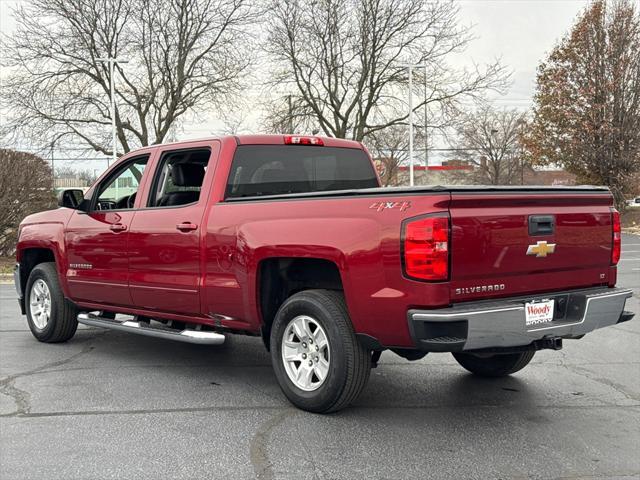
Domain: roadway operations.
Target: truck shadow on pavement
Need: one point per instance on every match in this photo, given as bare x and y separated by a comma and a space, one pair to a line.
239, 373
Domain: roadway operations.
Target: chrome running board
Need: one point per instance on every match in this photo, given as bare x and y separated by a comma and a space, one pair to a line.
201, 337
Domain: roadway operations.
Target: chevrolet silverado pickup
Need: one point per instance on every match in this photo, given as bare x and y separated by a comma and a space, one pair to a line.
292, 239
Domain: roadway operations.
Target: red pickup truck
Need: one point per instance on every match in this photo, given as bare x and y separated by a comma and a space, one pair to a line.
292, 238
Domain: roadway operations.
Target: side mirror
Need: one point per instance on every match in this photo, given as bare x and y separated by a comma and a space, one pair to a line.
71, 198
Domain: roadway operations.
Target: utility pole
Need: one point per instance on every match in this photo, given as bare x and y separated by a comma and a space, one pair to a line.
290, 124
53, 172
112, 62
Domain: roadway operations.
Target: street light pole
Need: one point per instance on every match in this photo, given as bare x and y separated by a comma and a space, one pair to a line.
426, 113
411, 161
112, 62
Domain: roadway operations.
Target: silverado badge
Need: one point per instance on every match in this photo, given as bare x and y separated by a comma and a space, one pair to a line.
541, 249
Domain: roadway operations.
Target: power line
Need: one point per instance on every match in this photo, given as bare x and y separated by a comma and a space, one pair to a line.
76, 159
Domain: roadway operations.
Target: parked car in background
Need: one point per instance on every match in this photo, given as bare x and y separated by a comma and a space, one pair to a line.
634, 202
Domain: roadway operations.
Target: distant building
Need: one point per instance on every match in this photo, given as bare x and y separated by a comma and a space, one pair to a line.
548, 177
445, 174
64, 182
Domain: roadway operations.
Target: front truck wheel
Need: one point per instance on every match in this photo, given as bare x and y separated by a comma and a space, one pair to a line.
319, 363
498, 365
51, 317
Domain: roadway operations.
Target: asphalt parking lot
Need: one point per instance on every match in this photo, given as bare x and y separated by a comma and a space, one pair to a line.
112, 405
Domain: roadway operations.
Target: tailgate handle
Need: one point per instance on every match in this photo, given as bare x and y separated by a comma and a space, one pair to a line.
541, 224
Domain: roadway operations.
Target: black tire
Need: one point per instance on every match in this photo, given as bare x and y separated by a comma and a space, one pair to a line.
63, 320
498, 365
350, 361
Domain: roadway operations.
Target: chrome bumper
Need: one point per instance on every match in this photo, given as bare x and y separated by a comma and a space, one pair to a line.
501, 323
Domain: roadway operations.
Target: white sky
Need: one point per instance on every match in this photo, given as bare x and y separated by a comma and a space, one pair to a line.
519, 32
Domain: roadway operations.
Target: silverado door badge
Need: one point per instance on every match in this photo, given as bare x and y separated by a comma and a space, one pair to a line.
541, 249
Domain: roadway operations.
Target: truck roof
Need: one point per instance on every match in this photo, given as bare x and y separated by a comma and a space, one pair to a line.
274, 140
279, 140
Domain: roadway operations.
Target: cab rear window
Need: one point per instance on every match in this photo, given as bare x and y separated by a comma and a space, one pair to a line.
259, 170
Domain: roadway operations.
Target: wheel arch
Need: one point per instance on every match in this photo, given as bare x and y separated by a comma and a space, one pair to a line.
31, 256
280, 277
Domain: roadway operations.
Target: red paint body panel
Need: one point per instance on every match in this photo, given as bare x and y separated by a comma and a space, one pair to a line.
45, 230
211, 275
90, 241
165, 263
490, 239
362, 242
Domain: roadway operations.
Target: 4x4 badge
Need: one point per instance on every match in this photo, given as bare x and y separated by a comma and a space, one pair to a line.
541, 249
380, 206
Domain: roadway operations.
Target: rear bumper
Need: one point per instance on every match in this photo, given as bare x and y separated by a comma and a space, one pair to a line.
501, 323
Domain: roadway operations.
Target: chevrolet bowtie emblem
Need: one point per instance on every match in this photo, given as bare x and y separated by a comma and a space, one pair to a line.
541, 249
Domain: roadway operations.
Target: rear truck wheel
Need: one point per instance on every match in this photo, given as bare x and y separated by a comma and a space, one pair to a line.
319, 363
51, 317
498, 365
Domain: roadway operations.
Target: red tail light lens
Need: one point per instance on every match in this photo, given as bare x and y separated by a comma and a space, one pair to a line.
617, 239
426, 248
294, 140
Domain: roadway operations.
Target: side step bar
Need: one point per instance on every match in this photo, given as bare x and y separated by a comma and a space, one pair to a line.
189, 336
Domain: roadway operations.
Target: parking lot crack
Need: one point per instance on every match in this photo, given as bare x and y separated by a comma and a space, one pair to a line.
21, 397
603, 381
258, 453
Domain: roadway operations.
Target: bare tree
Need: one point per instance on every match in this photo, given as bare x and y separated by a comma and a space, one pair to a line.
87, 176
343, 61
587, 103
489, 141
390, 149
65, 171
26, 186
288, 114
184, 56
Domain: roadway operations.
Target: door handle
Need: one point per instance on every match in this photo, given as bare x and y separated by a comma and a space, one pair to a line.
117, 227
186, 226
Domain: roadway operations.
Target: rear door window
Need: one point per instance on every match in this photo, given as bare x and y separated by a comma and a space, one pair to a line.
259, 170
178, 179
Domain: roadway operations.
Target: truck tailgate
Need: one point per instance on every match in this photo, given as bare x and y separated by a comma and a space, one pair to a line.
507, 243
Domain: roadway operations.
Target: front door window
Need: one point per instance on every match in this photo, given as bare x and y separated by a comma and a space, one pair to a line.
119, 191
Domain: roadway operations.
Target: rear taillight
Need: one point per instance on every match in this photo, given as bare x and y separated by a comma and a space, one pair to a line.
426, 247
295, 140
616, 244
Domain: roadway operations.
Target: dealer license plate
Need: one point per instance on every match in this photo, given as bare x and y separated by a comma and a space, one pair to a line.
538, 313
